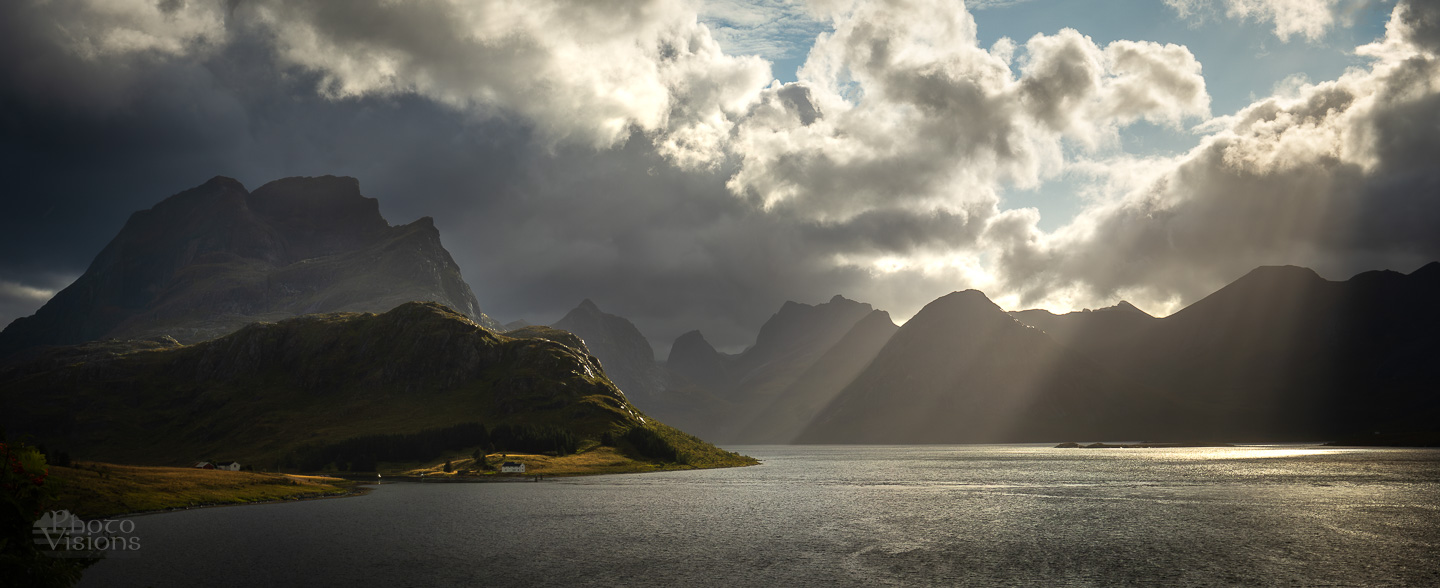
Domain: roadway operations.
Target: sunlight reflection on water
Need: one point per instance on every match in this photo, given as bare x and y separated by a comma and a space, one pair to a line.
852, 516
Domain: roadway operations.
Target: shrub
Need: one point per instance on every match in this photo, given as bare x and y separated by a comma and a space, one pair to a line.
24, 495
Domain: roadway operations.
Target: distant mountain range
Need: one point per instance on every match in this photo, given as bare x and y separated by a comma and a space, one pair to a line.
963, 371
803, 355
1279, 355
209, 260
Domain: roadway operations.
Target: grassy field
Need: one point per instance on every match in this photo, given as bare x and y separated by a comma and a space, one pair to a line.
92, 489
95, 489
597, 460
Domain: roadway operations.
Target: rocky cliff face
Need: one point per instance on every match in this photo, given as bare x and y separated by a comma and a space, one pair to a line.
213, 258
626, 354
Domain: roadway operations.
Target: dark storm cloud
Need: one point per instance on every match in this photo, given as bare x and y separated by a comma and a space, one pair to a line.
536, 227
662, 179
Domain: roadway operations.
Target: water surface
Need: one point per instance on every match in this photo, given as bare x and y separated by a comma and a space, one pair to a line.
848, 515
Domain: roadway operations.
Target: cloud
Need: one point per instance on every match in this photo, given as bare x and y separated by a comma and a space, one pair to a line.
577, 71
21, 299
773, 29
910, 113
1309, 18
1335, 175
616, 152
94, 29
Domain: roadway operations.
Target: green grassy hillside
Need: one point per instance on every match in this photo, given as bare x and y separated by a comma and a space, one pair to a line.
286, 394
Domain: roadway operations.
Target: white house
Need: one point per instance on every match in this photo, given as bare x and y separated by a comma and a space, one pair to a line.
512, 467
233, 466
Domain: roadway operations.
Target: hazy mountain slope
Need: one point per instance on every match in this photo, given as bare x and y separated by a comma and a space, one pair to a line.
737, 389
270, 390
790, 341
794, 408
962, 370
1280, 354
693, 359
1108, 326
1284, 353
628, 358
208, 260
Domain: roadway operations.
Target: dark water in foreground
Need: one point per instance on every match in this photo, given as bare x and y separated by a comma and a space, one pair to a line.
920, 515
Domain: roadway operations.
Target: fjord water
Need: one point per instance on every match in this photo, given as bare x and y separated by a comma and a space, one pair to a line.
847, 515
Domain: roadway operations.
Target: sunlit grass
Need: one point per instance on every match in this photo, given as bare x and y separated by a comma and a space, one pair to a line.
592, 459
92, 489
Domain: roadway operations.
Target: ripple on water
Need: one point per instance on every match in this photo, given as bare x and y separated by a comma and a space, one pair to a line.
846, 515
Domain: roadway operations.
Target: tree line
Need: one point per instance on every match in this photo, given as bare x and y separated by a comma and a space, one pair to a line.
361, 454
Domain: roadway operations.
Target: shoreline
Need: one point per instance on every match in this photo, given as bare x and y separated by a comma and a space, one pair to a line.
357, 491
351, 485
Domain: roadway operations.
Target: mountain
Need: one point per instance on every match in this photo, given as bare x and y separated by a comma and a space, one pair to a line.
626, 354
1114, 324
729, 392
963, 371
792, 340
818, 385
1280, 354
209, 260
280, 394
695, 360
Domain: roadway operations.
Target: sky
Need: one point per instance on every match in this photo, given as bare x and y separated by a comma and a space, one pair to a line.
696, 164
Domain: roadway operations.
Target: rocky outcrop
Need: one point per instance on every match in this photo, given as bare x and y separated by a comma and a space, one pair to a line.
626, 354
211, 259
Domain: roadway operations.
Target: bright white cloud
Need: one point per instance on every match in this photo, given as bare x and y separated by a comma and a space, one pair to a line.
1311, 19
580, 71
1331, 175
900, 108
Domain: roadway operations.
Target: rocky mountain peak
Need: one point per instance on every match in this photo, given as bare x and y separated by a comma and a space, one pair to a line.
691, 343
212, 258
798, 324
1123, 307
964, 303
625, 352
693, 358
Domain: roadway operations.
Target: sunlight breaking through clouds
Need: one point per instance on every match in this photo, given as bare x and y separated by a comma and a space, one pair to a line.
891, 149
